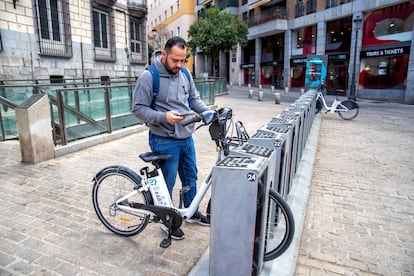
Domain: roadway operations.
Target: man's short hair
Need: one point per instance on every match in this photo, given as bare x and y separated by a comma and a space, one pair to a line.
175, 41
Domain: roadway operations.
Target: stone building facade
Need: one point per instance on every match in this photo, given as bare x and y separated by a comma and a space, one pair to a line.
63, 39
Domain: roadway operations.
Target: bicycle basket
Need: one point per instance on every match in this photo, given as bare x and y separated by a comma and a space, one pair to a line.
217, 128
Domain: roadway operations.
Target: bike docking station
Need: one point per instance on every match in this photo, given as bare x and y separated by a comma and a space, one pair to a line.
235, 225
293, 126
245, 221
276, 138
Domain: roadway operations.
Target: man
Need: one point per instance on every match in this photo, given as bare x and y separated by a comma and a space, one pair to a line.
167, 135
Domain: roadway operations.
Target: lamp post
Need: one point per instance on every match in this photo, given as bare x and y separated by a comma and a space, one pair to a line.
357, 26
154, 35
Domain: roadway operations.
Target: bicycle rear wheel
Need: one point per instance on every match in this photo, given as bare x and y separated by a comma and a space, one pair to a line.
280, 227
350, 109
111, 184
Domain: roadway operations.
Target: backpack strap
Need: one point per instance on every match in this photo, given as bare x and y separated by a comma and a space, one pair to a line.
187, 74
156, 82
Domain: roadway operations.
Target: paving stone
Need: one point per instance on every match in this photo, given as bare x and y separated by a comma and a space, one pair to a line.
359, 219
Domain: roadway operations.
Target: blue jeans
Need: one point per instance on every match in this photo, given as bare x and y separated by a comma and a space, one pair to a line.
183, 161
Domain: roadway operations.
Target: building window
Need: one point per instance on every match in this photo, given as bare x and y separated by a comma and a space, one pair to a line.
53, 27
310, 6
103, 35
137, 43
178, 5
385, 72
299, 8
304, 41
330, 3
338, 35
178, 31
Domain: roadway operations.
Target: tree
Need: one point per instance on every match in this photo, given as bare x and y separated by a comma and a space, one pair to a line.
218, 30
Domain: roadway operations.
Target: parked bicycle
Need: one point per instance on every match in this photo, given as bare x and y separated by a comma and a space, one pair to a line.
347, 109
126, 201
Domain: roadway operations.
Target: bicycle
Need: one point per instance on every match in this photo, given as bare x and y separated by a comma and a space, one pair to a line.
347, 109
126, 202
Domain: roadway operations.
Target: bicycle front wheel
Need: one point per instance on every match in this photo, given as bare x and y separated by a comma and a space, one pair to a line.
111, 184
280, 227
348, 109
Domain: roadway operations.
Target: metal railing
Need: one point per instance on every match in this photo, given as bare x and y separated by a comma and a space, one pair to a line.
80, 111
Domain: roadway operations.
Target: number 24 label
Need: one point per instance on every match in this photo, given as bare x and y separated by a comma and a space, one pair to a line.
251, 177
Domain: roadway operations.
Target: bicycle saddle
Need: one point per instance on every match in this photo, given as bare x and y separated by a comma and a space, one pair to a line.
153, 156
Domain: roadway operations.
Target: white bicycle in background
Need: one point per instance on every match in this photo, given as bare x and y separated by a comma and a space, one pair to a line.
347, 109
126, 202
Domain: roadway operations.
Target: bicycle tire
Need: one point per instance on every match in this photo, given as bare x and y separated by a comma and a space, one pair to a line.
319, 106
351, 111
280, 227
111, 184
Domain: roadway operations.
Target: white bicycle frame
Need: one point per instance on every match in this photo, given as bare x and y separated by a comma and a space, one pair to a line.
159, 191
333, 107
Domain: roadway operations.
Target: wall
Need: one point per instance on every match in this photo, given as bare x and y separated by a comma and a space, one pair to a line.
20, 58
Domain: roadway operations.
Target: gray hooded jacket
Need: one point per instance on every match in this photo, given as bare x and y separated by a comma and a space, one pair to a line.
174, 93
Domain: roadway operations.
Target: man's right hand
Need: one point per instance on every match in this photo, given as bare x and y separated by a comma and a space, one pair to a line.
173, 117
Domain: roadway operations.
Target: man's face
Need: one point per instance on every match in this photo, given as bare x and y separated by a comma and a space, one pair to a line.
174, 60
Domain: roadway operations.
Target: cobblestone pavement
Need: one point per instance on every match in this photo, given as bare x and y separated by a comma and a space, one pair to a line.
360, 217
48, 225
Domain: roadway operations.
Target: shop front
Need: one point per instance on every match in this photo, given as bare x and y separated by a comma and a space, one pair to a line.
272, 73
303, 44
337, 77
385, 53
249, 75
297, 71
338, 41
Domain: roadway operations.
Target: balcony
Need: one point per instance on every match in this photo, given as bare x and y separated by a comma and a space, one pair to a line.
228, 3
267, 15
138, 8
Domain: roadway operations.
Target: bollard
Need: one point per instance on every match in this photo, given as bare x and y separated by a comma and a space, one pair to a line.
35, 131
286, 90
231, 84
277, 98
249, 86
272, 88
302, 91
260, 95
250, 93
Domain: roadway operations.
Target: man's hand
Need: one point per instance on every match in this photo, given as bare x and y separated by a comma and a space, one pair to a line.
173, 117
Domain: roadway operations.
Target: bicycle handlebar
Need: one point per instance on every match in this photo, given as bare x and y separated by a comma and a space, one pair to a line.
207, 117
218, 127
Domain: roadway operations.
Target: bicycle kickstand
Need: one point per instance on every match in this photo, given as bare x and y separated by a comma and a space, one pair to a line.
167, 241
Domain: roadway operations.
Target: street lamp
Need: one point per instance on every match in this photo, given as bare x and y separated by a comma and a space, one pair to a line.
154, 35
357, 26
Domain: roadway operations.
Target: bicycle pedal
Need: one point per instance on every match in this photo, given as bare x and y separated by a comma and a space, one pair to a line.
165, 243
